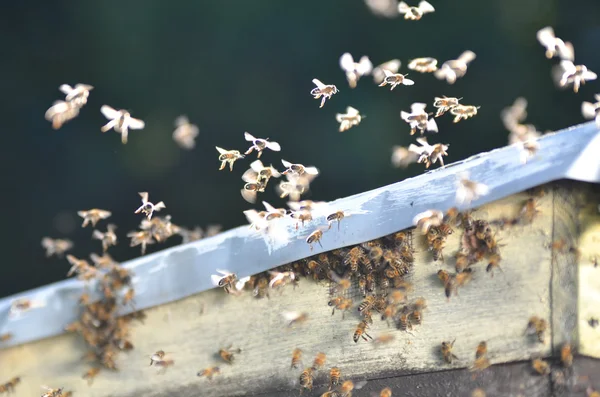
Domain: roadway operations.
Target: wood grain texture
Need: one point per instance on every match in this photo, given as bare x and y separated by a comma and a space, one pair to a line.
495, 309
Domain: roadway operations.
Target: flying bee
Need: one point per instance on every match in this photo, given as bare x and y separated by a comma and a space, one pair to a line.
456, 68
296, 358
566, 355
481, 360
384, 339
147, 207
77, 95
446, 348
315, 237
444, 104
343, 304
319, 361
573, 74
56, 246
121, 121
415, 13
361, 331
468, 190
334, 377
322, 90
228, 281
108, 238
260, 144
423, 65
295, 318
345, 390
395, 79
228, 157
209, 372
298, 169
429, 154
93, 216
164, 364
425, 220
61, 112
142, 237
529, 210
52, 392
280, 279
354, 70
347, 120
463, 112
156, 357
301, 216
540, 366
91, 374
592, 110
555, 46
336, 216
306, 379
185, 133
228, 355
392, 66
294, 188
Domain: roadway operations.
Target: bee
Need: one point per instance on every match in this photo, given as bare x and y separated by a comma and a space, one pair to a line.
185, 133
10, 385
386, 392
259, 145
447, 281
56, 246
315, 237
209, 372
306, 379
91, 374
418, 119
346, 388
404, 322
147, 207
261, 288
566, 355
554, 45
108, 238
336, 216
456, 68
228, 281
319, 361
121, 121
463, 278
383, 339
362, 285
228, 157
295, 318
415, 317
494, 262
156, 357
445, 104
52, 392
354, 257
402, 157
81, 267
93, 216
540, 366
423, 65
463, 112
392, 66
61, 112
592, 110
228, 355
367, 304
437, 246
529, 210
324, 91
481, 350
347, 120
77, 95
298, 169
361, 331
342, 284
573, 74
375, 254
425, 220
429, 154
296, 358
415, 13
446, 348
142, 237
478, 393
334, 377
395, 79
537, 326
301, 216
354, 70
340, 303
6, 337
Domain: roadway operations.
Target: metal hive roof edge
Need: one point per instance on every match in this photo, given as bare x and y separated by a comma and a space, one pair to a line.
184, 270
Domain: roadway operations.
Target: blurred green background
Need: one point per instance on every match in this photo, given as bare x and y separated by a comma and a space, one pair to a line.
235, 66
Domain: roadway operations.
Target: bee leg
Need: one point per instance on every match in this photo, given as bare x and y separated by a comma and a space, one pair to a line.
319, 241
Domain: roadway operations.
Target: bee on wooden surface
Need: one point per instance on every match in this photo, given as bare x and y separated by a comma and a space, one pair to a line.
374, 254
415, 317
56, 246
481, 350
468, 190
319, 361
121, 121
347, 120
361, 332
463, 112
529, 210
444, 104
395, 79
296, 358
261, 288
446, 348
481, 360
259, 145
415, 13
93, 216
61, 112
555, 46
384, 339
429, 154
404, 322
354, 70
437, 246
52, 392
342, 304
280, 279
315, 237
91, 374
418, 119
540, 366
423, 65
392, 66
354, 257
295, 318
456, 68
323, 91
156, 357
592, 110
301, 217
147, 207
209, 372
185, 133
334, 377
108, 238
425, 220
335, 217
228, 157
228, 281
576, 75
362, 285
228, 354
342, 284
566, 355
306, 379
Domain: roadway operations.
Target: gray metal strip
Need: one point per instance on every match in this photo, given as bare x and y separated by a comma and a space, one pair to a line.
177, 272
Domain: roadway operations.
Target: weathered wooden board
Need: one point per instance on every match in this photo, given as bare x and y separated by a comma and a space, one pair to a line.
495, 309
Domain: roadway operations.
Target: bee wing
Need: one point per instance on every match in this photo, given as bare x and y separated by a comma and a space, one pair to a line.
239, 285
318, 83
136, 124
257, 166
215, 279
567, 66
339, 117
589, 75
269, 207
181, 120
597, 97
481, 189
403, 7
467, 56
249, 175
546, 36
144, 196
364, 66
350, 111
588, 110
404, 115
290, 316
65, 89
432, 125
109, 112
423, 141
426, 7
418, 107
278, 276
311, 170
408, 82
249, 195
566, 51
346, 63
360, 384
274, 146
286, 164
160, 205
249, 137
